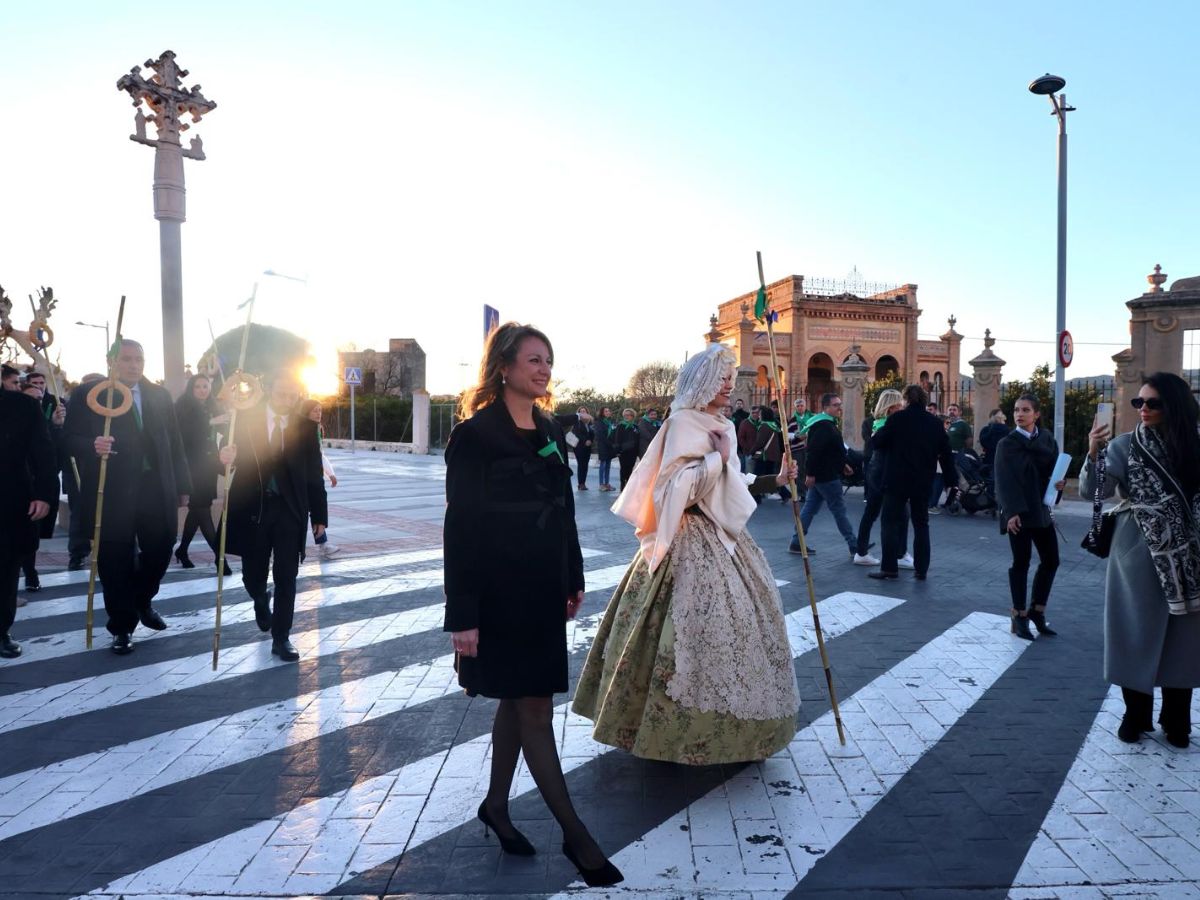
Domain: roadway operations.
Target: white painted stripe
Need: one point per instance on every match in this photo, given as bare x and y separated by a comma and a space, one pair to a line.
319, 845
170, 590
1126, 814
57, 701
766, 828
236, 608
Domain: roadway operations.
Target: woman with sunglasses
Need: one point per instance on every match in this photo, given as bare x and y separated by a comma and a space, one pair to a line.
1025, 461
1152, 589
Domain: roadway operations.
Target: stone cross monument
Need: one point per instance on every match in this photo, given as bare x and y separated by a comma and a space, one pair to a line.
167, 101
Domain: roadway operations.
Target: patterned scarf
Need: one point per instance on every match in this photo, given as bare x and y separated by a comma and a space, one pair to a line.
1167, 521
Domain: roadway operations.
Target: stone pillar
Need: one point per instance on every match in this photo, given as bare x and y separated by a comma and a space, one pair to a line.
713, 335
853, 377
953, 341
1128, 383
747, 374
987, 368
420, 414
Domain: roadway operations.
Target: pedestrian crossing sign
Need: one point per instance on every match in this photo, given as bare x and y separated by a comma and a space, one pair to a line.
353, 375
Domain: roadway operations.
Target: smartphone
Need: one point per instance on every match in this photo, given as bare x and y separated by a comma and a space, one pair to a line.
1105, 415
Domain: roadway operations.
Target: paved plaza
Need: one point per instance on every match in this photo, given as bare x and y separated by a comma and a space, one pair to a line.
976, 765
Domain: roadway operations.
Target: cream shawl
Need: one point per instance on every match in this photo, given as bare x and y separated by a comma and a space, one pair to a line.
681, 469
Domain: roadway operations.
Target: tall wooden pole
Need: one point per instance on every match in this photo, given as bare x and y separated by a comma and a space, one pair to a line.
112, 376
787, 467
228, 479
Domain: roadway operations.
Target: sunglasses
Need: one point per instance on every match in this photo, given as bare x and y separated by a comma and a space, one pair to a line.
1154, 403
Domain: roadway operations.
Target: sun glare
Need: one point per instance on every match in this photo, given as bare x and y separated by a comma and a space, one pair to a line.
319, 375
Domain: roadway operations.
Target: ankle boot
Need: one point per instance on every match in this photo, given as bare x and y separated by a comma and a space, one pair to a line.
1139, 715
1020, 625
1175, 717
1037, 615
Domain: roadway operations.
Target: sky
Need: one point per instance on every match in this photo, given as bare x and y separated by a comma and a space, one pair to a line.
603, 171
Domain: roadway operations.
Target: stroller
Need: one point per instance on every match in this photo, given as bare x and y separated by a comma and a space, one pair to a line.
976, 486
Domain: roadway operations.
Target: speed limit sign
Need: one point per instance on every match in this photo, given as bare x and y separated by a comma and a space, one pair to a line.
1066, 349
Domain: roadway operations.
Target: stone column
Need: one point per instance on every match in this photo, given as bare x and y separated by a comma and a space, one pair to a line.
987, 368
747, 374
953, 341
853, 378
420, 414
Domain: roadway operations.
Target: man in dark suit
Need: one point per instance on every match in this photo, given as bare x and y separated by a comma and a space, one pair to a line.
915, 442
27, 486
147, 482
277, 487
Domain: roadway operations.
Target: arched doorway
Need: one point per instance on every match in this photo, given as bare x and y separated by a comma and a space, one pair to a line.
885, 366
820, 378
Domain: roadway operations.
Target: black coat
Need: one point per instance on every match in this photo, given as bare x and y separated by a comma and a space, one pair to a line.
298, 475
646, 433
606, 447
915, 442
826, 454
585, 434
991, 435
626, 437
512, 554
28, 468
158, 441
200, 448
1023, 468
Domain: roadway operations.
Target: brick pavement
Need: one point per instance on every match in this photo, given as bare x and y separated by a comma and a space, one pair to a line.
977, 765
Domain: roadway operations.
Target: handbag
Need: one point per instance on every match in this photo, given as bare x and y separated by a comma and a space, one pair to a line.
1099, 538
572, 439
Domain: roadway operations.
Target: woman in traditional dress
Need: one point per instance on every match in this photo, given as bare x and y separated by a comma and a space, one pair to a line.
514, 576
691, 662
1152, 588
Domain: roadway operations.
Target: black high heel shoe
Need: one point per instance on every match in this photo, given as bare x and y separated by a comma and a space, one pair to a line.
1020, 626
605, 876
184, 562
517, 845
1038, 618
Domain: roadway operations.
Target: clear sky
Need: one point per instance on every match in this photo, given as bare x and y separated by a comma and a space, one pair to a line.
604, 171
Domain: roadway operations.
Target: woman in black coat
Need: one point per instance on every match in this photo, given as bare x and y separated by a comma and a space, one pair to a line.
197, 415
605, 451
584, 430
626, 438
1025, 461
514, 576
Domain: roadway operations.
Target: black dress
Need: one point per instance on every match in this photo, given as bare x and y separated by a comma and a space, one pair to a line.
512, 553
200, 448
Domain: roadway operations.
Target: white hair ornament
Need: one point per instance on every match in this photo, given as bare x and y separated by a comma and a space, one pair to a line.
701, 376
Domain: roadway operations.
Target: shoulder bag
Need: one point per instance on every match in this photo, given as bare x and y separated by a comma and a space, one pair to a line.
1098, 540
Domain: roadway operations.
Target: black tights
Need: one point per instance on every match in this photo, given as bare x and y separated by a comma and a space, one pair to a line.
524, 725
201, 518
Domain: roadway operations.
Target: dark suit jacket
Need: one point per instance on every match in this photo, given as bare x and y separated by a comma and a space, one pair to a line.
158, 441
299, 477
826, 457
28, 466
1023, 470
915, 442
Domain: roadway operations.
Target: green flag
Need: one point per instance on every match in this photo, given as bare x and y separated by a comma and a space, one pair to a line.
760, 304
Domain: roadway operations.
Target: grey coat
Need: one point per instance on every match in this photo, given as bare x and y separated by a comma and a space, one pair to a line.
1144, 645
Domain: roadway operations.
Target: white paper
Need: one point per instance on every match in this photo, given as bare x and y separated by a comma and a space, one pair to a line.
1059, 473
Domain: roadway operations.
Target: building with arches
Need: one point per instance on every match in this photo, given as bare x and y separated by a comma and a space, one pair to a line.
821, 324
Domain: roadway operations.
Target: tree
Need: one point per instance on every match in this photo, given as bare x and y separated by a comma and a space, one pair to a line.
268, 348
892, 380
653, 385
594, 400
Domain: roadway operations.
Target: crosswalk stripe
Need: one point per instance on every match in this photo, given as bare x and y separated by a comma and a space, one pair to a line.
1126, 814
57, 701
825, 789
171, 590
319, 845
238, 608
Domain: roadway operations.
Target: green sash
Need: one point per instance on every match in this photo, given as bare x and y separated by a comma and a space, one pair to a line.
819, 417
551, 448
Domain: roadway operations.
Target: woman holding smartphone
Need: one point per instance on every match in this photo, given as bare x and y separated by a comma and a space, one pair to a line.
1025, 461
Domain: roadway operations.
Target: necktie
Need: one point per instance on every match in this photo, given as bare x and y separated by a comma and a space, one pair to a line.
277, 438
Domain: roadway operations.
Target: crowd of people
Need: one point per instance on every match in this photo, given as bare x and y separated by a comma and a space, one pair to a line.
159, 457
691, 662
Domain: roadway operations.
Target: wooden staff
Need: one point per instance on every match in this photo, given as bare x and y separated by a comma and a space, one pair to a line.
41, 344
111, 385
216, 352
230, 390
787, 467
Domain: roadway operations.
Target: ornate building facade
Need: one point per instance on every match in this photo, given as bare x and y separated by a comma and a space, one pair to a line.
821, 326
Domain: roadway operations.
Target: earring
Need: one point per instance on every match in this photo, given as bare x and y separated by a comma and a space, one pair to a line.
503, 380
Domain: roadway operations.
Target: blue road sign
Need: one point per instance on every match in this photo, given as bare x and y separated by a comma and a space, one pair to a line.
353, 375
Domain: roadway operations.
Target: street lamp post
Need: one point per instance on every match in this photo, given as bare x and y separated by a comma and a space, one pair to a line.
107, 341
1049, 86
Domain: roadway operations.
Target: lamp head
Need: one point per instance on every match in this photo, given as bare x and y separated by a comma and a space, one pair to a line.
1047, 84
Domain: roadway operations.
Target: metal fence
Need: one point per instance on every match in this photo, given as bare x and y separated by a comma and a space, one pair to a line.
442, 417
